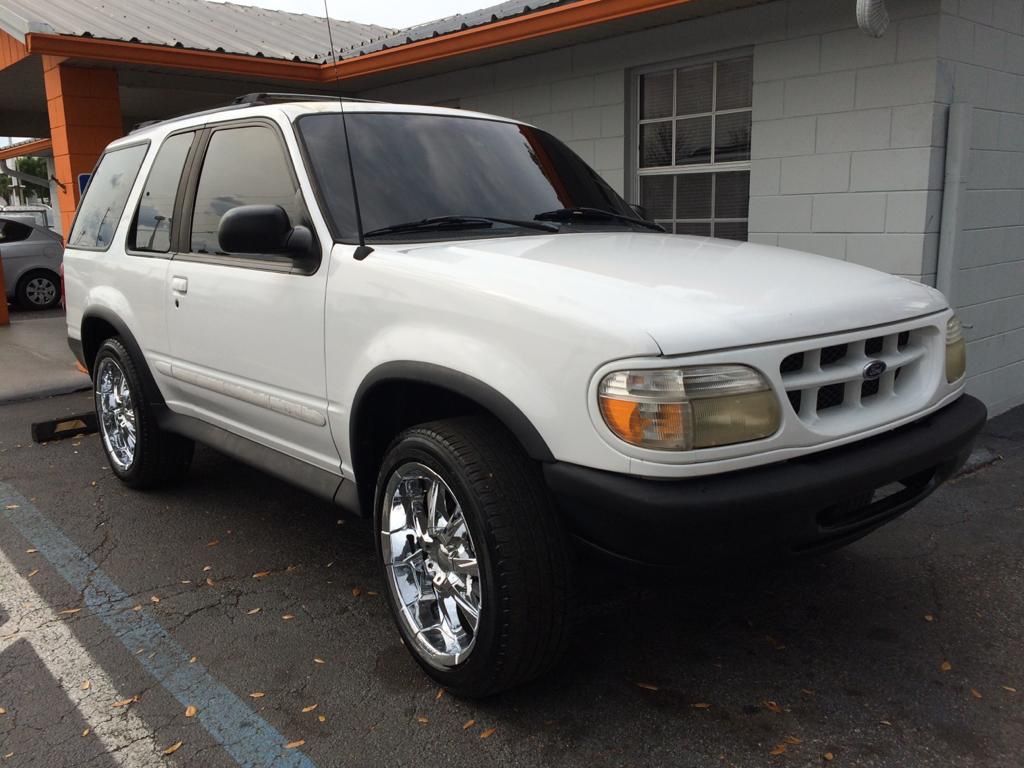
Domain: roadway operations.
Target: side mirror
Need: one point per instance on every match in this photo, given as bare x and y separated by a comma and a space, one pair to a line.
263, 229
640, 211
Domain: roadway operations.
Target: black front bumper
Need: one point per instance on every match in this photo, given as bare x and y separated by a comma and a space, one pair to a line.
812, 503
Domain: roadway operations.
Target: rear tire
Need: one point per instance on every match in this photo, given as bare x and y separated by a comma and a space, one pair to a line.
140, 453
511, 535
38, 289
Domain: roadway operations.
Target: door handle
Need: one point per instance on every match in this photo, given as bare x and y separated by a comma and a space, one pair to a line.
179, 285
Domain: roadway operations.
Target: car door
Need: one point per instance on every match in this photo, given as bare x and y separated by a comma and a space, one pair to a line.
16, 251
246, 331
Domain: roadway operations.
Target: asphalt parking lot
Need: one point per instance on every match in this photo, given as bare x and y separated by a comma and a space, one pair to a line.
236, 620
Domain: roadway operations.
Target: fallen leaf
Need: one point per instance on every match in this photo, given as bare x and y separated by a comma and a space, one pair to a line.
31, 551
9, 754
647, 686
976, 693
32, 573
356, 591
322, 718
136, 607
193, 660
3, 711
806, 691
773, 706
439, 694
371, 593
70, 611
207, 568
209, 581
929, 617
829, 757
945, 666
1009, 689
213, 542
778, 749
185, 581
154, 599
11, 506
701, 705
190, 711
488, 733
288, 617
251, 611
792, 740
422, 719
295, 744
124, 702
317, 660
173, 748
260, 574
85, 732
468, 724
86, 685
885, 722
257, 695
310, 708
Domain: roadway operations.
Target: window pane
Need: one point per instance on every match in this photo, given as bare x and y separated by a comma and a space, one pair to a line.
693, 199
700, 230
152, 229
243, 166
694, 90
15, 231
732, 195
693, 141
732, 137
730, 230
735, 84
655, 145
105, 198
656, 196
656, 95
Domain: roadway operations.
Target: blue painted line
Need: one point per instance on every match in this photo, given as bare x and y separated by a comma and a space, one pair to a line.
243, 734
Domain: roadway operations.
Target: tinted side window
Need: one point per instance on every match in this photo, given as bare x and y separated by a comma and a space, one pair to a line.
101, 208
13, 231
243, 166
151, 230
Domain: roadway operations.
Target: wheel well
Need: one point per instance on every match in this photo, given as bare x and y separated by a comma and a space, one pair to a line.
384, 411
95, 330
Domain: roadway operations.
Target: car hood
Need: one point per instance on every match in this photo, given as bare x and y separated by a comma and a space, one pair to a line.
689, 294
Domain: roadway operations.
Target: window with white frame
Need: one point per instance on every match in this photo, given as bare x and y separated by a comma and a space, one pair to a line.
692, 135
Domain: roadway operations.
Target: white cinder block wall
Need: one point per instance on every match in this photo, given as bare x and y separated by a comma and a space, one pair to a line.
981, 50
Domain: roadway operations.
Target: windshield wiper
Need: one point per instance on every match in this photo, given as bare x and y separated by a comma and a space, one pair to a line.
594, 214
457, 222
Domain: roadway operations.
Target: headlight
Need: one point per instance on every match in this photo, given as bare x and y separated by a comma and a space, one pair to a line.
677, 409
956, 350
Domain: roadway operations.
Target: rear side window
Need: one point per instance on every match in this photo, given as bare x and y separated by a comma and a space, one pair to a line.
151, 228
101, 208
13, 231
243, 166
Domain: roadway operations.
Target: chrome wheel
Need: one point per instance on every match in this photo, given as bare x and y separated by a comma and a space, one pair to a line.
431, 564
116, 411
41, 291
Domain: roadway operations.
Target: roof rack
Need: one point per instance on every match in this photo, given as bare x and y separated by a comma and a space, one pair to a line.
252, 100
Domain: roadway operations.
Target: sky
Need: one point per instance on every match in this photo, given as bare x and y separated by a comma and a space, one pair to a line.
387, 13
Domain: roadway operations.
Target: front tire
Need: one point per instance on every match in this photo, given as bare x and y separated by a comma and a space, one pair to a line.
475, 560
140, 453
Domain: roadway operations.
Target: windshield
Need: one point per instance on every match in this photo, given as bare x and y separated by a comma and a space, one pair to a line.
411, 167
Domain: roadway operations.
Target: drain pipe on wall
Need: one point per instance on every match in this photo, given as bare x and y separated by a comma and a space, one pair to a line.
954, 196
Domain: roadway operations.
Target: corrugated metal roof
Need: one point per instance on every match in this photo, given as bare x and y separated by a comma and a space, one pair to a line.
448, 25
195, 24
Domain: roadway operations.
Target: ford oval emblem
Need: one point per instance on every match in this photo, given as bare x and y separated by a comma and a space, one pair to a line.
874, 369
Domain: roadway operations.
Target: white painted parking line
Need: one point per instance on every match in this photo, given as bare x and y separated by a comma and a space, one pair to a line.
127, 740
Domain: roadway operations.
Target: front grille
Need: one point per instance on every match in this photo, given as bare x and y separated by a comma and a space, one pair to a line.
828, 382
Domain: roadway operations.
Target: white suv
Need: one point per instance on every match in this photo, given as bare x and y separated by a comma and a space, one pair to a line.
448, 322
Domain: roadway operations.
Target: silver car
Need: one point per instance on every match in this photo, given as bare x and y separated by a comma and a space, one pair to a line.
31, 258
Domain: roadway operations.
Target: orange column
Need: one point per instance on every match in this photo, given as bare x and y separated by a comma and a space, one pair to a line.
85, 116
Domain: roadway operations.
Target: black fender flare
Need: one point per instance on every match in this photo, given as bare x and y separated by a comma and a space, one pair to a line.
462, 384
153, 394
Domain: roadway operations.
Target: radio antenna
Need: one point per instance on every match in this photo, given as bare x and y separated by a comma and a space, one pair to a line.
363, 250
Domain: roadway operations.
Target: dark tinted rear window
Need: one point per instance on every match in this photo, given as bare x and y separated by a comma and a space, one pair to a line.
13, 231
100, 210
152, 227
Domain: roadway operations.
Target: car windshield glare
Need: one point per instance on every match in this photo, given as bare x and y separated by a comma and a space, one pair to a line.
423, 167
